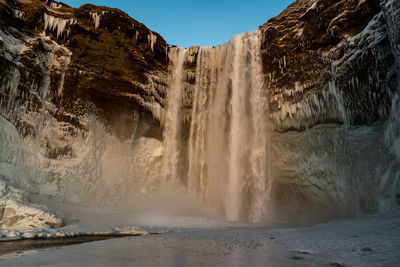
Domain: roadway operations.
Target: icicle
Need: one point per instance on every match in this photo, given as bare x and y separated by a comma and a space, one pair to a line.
55, 5
57, 25
152, 39
61, 87
96, 19
12, 87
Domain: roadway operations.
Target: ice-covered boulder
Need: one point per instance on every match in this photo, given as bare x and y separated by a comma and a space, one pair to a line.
16, 213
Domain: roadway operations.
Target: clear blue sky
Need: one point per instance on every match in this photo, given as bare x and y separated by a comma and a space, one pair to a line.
196, 22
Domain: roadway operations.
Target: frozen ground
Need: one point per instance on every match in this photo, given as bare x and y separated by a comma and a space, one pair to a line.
369, 241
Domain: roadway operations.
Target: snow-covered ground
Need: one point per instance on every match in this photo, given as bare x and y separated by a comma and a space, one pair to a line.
368, 241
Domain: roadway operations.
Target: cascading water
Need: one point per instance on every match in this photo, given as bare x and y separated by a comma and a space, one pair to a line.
228, 143
172, 133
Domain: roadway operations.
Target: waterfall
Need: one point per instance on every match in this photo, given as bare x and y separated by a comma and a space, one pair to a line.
228, 135
173, 119
227, 154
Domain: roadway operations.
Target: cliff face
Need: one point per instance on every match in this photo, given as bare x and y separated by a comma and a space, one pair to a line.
86, 91
80, 86
87, 60
318, 52
332, 75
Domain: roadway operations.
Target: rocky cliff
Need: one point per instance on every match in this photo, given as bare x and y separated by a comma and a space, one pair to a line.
93, 59
84, 91
319, 50
332, 74
68, 78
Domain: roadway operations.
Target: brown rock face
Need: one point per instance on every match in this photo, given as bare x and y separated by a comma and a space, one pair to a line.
113, 66
318, 46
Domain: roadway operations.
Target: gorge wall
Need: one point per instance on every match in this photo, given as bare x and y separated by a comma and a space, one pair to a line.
298, 119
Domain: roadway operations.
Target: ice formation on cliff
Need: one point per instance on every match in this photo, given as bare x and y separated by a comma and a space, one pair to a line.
152, 39
57, 25
96, 19
55, 5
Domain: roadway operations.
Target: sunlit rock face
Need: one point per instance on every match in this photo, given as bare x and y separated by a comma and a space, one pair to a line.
298, 119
